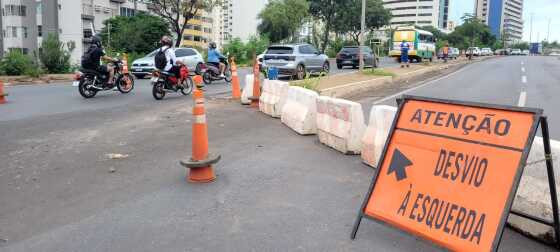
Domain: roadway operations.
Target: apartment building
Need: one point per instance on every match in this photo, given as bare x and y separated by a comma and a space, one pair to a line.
199, 31
504, 17
236, 19
19, 26
419, 12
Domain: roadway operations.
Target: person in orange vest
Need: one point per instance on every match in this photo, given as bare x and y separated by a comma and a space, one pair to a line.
445, 52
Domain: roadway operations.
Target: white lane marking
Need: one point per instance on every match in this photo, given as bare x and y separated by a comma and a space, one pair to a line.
522, 69
522, 99
524, 79
420, 86
522, 63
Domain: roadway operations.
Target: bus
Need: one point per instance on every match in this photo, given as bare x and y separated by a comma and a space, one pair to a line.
422, 44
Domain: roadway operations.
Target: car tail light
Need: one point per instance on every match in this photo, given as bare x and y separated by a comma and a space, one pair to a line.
77, 76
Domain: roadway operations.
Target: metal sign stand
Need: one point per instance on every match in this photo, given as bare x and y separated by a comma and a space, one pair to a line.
555, 223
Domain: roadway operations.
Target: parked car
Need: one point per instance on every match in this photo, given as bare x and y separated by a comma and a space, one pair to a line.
486, 51
525, 52
474, 50
516, 52
190, 56
349, 56
453, 53
295, 59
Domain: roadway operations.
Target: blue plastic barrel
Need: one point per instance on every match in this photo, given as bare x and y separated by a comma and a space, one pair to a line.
273, 73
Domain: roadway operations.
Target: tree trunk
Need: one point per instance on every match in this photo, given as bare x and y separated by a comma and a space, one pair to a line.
326, 37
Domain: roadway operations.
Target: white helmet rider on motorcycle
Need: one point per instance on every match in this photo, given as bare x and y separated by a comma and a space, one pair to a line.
214, 58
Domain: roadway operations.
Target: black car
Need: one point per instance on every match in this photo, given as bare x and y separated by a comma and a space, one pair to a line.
349, 56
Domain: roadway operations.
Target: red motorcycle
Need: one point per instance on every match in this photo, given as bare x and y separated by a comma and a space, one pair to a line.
164, 82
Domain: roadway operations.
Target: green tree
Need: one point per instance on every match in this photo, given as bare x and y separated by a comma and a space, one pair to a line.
177, 13
55, 55
349, 21
138, 33
472, 33
326, 11
281, 19
235, 48
255, 46
521, 46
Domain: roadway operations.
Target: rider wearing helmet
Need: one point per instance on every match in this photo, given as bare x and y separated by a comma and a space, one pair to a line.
91, 58
214, 58
173, 65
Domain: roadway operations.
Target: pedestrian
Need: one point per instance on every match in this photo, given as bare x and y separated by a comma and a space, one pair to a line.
404, 53
445, 52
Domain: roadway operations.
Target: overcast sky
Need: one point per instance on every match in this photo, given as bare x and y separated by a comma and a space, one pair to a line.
542, 10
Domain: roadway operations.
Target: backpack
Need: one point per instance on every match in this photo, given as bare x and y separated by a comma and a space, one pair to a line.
87, 59
160, 60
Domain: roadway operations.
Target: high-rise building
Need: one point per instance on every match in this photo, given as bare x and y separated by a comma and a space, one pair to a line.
199, 31
419, 12
19, 26
504, 17
237, 19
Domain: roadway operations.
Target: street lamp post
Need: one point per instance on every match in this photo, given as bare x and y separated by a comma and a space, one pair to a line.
361, 50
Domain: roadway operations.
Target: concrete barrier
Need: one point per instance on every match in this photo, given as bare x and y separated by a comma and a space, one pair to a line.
300, 110
533, 193
377, 131
273, 97
340, 124
247, 90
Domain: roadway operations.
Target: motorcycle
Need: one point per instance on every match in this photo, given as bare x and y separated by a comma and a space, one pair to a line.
164, 82
212, 73
90, 82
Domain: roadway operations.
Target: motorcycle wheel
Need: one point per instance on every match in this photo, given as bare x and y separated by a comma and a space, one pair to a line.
207, 78
157, 91
228, 75
187, 86
85, 90
123, 86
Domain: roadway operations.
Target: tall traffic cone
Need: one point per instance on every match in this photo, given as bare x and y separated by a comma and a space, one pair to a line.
198, 82
256, 85
125, 63
2, 94
200, 164
235, 92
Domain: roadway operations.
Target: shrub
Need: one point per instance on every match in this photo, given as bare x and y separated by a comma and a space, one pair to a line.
236, 49
15, 63
55, 55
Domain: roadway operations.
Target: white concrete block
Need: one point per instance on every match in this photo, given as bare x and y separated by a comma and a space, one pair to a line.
299, 112
340, 124
273, 97
380, 121
247, 90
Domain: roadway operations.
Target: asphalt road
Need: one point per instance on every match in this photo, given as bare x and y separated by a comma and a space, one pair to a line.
275, 190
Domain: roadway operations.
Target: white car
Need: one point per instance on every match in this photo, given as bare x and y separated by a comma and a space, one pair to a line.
475, 51
190, 56
486, 52
516, 52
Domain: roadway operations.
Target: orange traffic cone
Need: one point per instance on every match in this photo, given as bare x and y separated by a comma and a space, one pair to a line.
235, 91
256, 86
198, 82
201, 162
125, 64
2, 94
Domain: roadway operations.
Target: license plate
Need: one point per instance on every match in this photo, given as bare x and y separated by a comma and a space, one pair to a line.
75, 83
348, 61
137, 70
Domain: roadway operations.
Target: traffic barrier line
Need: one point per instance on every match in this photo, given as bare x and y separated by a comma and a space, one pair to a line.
273, 97
300, 111
377, 131
247, 89
200, 164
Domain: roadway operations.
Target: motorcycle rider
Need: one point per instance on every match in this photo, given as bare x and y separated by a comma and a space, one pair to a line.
214, 58
91, 59
172, 65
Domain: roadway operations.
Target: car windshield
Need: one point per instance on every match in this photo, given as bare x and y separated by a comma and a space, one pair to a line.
152, 54
280, 50
349, 50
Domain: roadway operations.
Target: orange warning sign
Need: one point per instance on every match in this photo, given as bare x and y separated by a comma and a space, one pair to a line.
450, 170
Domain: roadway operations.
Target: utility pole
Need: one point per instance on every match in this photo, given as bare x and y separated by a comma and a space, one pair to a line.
531, 30
361, 51
548, 32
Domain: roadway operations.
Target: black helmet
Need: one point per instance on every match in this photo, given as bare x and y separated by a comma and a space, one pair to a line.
166, 40
96, 40
213, 45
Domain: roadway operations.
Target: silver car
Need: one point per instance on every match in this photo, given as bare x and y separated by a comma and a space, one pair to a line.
295, 60
190, 56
